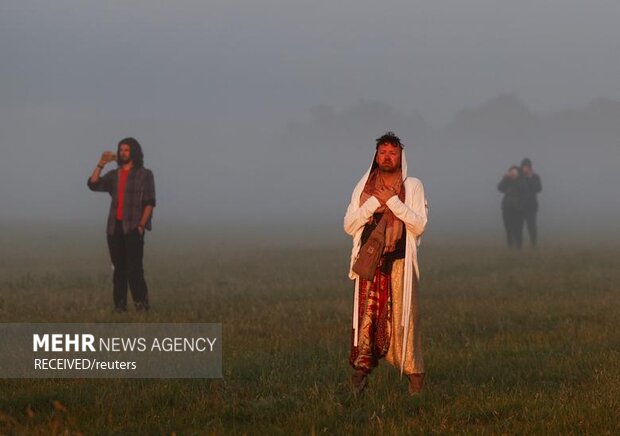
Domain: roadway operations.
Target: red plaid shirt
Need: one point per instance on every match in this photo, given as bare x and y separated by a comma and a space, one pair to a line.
139, 193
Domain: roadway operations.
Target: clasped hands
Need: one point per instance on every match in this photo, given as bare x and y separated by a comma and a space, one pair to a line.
383, 194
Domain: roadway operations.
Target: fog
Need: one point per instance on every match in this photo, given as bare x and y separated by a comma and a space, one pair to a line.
263, 114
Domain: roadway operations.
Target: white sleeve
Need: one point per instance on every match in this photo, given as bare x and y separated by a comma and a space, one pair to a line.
415, 217
356, 218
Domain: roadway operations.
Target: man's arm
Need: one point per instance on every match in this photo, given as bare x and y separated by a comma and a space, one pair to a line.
148, 201
503, 184
415, 217
537, 184
146, 216
148, 192
95, 181
356, 218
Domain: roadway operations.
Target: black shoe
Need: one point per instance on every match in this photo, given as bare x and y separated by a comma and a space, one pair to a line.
142, 306
120, 309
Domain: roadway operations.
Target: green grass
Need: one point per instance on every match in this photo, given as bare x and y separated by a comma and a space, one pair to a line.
525, 343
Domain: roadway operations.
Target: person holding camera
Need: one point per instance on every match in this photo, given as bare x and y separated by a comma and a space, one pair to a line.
132, 191
512, 187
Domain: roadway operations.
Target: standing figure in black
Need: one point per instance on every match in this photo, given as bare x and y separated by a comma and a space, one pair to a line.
511, 186
531, 187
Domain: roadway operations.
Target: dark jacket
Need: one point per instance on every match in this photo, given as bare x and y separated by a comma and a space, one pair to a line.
531, 187
139, 193
512, 190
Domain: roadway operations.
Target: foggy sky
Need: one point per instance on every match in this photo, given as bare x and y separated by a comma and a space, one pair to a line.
235, 103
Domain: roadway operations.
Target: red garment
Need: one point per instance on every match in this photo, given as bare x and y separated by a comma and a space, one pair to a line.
375, 314
122, 181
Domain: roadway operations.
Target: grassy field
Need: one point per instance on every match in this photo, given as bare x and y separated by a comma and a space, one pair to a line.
525, 343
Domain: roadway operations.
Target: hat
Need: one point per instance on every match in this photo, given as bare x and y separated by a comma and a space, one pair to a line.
526, 162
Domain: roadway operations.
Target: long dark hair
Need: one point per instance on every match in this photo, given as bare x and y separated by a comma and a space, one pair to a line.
135, 151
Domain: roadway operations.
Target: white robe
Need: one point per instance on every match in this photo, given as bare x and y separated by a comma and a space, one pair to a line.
413, 213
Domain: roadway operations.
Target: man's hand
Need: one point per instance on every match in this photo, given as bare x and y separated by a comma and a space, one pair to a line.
107, 156
383, 194
146, 215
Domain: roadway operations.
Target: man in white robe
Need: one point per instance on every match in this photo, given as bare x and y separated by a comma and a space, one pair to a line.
385, 313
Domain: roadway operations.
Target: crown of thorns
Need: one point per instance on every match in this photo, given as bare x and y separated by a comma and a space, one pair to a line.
389, 138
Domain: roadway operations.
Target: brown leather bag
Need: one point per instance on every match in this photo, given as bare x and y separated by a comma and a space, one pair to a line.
370, 253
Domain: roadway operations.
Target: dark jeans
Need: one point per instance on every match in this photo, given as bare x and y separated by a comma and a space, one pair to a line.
513, 223
530, 222
126, 252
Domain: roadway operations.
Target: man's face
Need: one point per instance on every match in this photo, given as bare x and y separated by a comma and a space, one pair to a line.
388, 157
124, 154
527, 170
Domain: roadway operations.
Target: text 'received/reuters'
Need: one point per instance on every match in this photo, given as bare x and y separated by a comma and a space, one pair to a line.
110, 350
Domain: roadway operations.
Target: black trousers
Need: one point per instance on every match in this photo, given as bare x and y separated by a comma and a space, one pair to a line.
126, 252
530, 222
513, 223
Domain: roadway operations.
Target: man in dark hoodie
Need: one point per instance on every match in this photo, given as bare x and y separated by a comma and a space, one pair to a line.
531, 186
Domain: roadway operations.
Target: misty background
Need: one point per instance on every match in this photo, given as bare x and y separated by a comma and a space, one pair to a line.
262, 115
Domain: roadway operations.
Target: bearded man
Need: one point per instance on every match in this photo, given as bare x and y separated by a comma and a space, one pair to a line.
132, 191
385, 310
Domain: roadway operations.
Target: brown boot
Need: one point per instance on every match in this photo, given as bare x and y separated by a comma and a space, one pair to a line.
359, 380
416, 383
